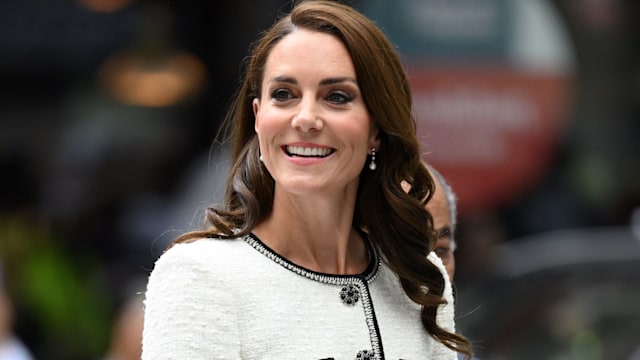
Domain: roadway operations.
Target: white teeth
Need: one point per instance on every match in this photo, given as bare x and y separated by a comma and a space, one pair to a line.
308, 151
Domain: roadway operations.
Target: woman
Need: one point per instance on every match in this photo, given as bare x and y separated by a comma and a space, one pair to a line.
317, 253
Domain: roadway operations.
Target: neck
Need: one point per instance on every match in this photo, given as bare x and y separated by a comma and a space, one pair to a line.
315, 233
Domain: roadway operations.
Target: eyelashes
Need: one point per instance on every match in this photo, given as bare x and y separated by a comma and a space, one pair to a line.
445, 232
336, 97
339, 97
281, 95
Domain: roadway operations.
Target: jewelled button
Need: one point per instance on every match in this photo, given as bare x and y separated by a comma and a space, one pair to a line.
350, 294
365, 355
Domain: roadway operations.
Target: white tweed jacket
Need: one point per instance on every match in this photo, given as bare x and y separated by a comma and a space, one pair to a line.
237, 299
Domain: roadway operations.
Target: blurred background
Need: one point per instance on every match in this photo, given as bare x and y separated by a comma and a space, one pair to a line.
108, 116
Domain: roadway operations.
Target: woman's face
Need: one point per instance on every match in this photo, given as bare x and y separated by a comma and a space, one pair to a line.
311, 120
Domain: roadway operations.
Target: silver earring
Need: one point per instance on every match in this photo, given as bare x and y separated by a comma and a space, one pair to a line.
372, 164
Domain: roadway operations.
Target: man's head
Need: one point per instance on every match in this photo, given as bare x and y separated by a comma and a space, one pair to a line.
442, 207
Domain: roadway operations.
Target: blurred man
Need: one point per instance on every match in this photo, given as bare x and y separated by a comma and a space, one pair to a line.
443, 210
442, 207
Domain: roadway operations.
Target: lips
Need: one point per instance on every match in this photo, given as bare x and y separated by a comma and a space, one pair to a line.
304, 151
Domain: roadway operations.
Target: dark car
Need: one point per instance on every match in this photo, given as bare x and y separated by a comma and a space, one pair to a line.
566, 295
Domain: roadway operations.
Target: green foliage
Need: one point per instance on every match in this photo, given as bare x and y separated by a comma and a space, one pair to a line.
61, 290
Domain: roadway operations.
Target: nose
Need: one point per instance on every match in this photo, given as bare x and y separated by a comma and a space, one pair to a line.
307, 118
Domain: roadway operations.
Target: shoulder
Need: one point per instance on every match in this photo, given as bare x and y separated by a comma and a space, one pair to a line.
189, 289
197, 264
200, 253
446, 311
198, 247
448, 289
188, 277
435, 259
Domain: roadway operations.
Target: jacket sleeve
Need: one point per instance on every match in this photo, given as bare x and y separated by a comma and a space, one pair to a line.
188, 309
445, 314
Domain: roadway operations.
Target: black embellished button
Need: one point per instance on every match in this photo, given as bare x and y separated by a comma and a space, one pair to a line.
350, 294
365, 355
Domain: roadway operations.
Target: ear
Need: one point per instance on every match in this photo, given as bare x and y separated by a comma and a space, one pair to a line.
256, 108
374, 138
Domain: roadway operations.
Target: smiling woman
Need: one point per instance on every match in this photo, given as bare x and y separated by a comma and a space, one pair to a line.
318, 252
310, 104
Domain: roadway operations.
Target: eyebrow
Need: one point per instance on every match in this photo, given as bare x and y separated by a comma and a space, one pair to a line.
337, 80
444, 231
284, 79
323, 82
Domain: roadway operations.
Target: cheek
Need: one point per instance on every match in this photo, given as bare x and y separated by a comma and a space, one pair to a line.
359, 127
271, 126
267, 121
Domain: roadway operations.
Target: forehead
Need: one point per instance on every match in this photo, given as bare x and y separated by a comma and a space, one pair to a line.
438, 205
307, 49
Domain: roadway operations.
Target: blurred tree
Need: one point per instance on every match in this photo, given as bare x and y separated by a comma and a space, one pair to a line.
60, 291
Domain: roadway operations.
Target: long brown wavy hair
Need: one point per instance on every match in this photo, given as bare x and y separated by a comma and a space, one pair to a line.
396, 222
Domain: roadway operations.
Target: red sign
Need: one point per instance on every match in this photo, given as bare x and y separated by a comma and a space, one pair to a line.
490, 132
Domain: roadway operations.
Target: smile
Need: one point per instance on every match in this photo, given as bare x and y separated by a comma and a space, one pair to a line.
308, 151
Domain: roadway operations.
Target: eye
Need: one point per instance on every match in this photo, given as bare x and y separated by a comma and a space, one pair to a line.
444, 232
442, 251
339, 97
281, 95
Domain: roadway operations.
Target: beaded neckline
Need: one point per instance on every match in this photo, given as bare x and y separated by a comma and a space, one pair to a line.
367, 275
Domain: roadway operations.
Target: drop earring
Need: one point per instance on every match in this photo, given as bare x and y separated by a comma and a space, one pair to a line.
372, 164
